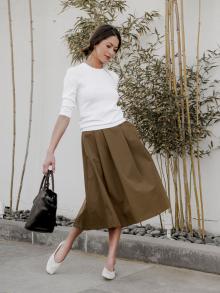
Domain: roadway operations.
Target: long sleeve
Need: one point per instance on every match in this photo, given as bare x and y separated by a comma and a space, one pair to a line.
117, 80
115, 77
69, 93
93, 91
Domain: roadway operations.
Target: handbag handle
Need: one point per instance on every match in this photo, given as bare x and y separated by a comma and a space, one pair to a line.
45, 180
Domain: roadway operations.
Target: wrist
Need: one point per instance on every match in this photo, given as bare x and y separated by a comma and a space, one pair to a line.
50, 152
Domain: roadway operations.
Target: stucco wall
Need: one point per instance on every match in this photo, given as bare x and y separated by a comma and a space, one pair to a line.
50, 63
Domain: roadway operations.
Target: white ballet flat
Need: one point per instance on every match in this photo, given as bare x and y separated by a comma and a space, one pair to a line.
108, 274
52, 265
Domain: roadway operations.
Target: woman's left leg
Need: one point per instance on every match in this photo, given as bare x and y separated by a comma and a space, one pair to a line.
114, 236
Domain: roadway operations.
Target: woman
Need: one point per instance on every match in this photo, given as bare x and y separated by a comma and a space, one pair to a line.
121, 181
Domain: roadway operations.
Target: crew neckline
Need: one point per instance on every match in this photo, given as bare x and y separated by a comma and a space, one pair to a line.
94, 68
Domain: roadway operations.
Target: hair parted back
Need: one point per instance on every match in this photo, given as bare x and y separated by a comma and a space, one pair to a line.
101, 32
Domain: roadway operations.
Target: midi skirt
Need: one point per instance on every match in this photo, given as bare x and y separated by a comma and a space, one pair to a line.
122, 184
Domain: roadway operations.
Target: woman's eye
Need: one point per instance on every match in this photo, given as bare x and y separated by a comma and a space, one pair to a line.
109, 46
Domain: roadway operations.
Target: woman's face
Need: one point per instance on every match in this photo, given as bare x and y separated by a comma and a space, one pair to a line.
106, 49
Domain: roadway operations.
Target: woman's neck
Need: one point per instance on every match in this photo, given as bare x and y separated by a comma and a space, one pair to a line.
94, 62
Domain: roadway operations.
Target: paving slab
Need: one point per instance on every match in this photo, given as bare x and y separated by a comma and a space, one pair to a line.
22, 270
205, 258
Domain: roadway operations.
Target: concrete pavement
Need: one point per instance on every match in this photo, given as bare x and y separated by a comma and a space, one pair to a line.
205, 258
22, 270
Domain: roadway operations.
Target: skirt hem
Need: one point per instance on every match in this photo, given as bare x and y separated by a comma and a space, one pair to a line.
143, 218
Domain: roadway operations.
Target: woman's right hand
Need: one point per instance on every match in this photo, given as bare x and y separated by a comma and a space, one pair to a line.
49, 161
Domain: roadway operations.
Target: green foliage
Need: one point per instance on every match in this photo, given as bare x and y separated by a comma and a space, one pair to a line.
145, 96
98, 12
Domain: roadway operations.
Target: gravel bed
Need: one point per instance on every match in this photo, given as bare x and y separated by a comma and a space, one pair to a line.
137, 229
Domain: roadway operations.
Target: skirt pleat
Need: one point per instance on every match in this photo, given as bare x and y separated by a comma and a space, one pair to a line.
122, 184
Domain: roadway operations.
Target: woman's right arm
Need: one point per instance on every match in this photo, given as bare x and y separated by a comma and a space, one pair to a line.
58, 131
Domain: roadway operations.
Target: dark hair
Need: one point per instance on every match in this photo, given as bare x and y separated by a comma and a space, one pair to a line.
101, 32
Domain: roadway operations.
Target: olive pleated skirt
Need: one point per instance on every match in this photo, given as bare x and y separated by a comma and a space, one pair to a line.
122, 184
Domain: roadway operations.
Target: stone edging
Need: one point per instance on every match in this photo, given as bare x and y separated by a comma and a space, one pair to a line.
199, 257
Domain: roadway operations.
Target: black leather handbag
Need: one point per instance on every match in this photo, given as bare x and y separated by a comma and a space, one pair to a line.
42, 216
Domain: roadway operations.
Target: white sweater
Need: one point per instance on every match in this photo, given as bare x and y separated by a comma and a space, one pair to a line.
94, 92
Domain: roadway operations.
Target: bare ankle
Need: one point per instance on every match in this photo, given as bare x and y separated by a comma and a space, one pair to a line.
61, 253
110, 264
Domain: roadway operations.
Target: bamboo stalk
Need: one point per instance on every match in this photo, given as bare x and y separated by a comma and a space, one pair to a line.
182, 222
168, 176
160, 167
179, 45
167, 163
170, 29
30, 105
186, 97
188, 212
197, 119
171, 80
167, 42
173, 72
174, 88
174, 176
14, 104
181, 124
161, 223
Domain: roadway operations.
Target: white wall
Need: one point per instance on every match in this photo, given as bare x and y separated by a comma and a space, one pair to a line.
51, 62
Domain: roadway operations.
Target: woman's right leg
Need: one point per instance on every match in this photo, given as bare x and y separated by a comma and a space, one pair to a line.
114, 236
65, 248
